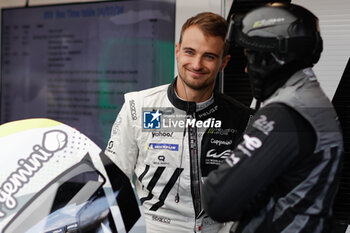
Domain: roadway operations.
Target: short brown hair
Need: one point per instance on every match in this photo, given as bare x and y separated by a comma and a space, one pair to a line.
209, 23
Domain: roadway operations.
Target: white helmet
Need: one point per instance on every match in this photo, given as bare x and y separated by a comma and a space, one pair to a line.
55, 179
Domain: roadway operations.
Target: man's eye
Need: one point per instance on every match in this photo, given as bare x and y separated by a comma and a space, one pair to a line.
210, 57
189, 52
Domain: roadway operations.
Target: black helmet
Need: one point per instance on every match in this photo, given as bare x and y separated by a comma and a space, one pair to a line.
278, 38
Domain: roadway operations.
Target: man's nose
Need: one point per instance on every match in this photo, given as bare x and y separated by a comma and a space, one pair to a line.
197, 63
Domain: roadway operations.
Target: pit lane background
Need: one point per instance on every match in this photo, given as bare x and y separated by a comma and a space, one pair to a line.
332, 70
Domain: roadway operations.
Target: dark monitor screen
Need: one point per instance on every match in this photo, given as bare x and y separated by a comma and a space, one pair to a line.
74, 62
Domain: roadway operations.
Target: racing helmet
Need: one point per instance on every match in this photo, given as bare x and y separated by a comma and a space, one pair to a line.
54, 179
278, 39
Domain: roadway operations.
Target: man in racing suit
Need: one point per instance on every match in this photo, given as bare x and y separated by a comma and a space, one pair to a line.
282, 176
171, 136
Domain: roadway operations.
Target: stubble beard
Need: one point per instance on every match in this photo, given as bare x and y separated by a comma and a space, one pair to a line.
202, 86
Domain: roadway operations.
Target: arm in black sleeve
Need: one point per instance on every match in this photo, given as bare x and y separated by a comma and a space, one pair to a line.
271, 142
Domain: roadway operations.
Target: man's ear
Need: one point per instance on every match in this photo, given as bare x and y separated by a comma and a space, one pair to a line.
225, 60
177, 50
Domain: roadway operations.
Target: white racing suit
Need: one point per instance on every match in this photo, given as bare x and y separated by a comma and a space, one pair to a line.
171, 146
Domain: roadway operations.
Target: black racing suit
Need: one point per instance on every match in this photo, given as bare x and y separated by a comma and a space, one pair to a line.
282, 176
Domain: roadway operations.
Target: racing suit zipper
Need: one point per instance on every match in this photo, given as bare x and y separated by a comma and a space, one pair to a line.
195, 173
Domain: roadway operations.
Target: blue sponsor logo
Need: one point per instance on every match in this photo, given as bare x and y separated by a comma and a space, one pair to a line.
163, 146
152, 119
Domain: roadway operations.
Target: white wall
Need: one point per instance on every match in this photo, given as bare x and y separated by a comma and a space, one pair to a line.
334, 16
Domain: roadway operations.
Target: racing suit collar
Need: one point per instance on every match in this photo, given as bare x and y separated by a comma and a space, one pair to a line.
189, 107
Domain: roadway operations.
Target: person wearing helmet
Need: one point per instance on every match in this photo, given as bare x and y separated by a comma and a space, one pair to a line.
282, 175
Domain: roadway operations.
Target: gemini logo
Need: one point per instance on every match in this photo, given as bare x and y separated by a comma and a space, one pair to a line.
53, 142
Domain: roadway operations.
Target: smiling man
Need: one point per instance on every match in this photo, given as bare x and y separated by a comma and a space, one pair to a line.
200, 55
170, 137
